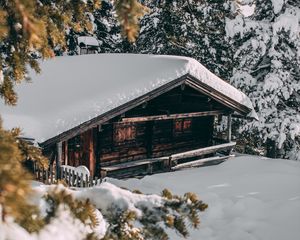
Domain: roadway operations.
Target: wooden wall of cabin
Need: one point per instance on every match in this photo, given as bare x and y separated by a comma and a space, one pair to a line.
152, 139
81, 150
117, 142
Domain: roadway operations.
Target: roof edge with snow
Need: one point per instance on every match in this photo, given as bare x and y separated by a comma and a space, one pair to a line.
187, 79
75, 93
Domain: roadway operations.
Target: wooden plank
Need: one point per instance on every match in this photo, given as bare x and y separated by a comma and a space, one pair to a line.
58, 159
92, 160
86, 181
218, 96
72, 184
229, 128
202, 151
174, 116
70, 177
134, 164
81, 180
51, 174
66, 152
199, 162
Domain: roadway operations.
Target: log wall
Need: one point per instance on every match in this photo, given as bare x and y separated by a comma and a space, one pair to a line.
109, 143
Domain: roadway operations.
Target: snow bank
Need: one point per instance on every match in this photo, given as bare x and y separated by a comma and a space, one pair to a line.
249, 198
108, 195
75, 89
106, 198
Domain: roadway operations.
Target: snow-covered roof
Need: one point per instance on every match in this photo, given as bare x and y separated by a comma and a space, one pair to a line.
74, 89
88, 41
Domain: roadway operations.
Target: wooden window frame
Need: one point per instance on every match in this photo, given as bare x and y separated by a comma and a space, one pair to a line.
182, 126
125, 137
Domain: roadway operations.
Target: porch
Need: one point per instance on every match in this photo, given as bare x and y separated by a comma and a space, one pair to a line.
194, 158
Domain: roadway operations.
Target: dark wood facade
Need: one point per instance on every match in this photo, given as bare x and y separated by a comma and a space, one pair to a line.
178, 119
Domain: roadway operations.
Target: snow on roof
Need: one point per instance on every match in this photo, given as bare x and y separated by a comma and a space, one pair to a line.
88, 41
74, 89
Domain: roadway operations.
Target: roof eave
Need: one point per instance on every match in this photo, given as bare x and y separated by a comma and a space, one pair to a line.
187, 79
218, 96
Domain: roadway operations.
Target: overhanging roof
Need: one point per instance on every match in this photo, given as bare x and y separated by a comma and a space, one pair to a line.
83, 90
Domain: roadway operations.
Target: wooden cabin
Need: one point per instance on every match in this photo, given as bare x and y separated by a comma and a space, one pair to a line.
87, 45
165, 125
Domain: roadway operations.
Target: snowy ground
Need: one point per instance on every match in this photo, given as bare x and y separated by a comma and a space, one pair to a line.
249, 197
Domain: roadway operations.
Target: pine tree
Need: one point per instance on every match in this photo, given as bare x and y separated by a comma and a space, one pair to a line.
267, 64
164, 30
14, 183
189, 28
31, 29
108, 30
214, 50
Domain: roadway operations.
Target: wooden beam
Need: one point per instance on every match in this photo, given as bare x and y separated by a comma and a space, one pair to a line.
58, 159
66, 152
200, 162
92, 161
202, 151
133, 164
174, 116
218, 96
229, 128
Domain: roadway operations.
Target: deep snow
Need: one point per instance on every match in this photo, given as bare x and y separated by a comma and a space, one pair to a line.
249, 198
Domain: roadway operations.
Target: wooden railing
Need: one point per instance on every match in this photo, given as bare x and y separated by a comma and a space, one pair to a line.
172, 162
69, 177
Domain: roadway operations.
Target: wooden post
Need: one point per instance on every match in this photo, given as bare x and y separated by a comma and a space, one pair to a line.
70, 178
77, 179
91, 181
229, 128
81, 180
97, 152
47, 176
58, 159
73, 179
66, 152
51, 174
62, 173
96, 181
92, 160
86, 182
38, 174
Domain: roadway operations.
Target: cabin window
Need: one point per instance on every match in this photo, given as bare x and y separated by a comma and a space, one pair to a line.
124, 133
182, 126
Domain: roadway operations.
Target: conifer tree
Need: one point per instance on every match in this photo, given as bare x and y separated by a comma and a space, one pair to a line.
14, 183
189, 28
267, 64
108, 30
31, 29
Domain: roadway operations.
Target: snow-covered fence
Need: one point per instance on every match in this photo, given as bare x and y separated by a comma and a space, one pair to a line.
72, 176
